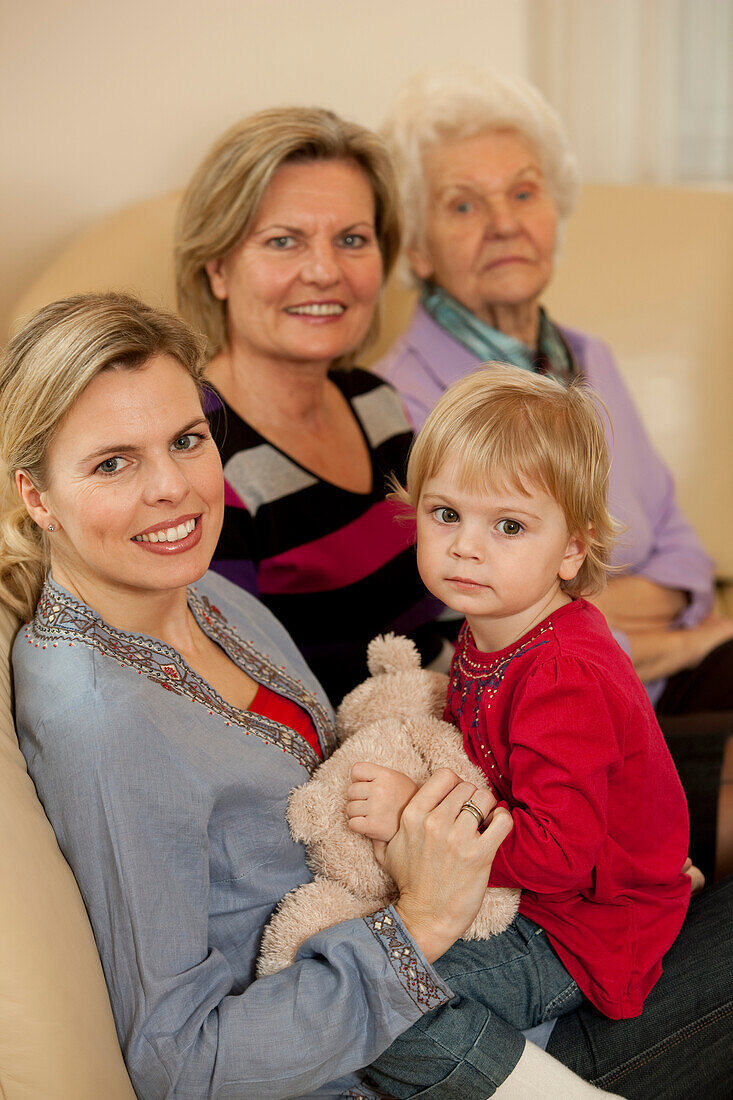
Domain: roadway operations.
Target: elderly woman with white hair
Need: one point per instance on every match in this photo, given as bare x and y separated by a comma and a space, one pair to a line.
487, 181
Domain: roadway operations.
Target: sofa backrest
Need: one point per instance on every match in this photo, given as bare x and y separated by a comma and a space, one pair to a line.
57, 1035
647, 269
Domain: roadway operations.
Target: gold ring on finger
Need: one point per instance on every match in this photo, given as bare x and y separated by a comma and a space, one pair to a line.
473, 809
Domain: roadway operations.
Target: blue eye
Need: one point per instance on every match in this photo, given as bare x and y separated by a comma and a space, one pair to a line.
186, 442
464, 207
110, 465
510, 527
353, 240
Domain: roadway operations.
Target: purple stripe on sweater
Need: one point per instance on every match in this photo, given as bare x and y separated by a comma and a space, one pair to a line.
242, 573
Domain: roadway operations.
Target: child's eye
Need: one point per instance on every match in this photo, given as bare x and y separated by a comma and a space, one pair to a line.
509, 527
111, 465
446, 515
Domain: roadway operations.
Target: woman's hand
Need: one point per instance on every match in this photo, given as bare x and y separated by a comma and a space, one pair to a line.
634, 603
441, 862
658, 653
644, 612
376, 798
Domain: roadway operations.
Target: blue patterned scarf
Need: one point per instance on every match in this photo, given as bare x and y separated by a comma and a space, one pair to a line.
551, 356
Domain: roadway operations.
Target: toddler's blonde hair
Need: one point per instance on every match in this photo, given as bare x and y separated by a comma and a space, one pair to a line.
502, 426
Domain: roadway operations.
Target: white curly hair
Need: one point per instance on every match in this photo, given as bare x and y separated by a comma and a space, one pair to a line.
440, 105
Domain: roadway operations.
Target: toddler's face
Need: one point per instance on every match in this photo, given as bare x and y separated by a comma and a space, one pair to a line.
496, 557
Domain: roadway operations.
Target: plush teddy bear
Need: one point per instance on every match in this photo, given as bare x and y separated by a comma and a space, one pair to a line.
392, 719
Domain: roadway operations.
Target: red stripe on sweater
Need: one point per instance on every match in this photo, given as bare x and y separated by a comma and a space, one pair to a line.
341, 558
231, 498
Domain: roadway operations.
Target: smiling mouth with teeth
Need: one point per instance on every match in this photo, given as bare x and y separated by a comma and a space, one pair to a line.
317, 309
168, 534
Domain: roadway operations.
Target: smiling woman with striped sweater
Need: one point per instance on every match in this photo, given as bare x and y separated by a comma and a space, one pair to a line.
286, 234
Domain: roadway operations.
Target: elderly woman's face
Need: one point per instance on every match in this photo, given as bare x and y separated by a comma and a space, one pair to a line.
490, 225
303, 284
135, 486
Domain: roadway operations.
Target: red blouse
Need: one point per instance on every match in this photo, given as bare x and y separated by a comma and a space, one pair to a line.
271, 705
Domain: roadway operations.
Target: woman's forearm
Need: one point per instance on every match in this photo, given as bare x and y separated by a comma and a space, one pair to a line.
660, 653
634, 603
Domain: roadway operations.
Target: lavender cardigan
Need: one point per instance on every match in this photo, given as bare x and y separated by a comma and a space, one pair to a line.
659, 543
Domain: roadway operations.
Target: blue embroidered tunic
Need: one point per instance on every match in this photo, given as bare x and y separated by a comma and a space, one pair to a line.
169, 805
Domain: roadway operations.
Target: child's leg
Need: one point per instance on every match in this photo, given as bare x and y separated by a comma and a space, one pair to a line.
470, 1046
517, 975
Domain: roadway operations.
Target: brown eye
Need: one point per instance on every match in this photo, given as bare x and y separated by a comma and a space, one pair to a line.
510, 527
447, 515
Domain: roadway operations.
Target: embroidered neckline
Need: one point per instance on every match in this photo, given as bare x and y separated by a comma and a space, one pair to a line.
475, 682
60, 619
479, 670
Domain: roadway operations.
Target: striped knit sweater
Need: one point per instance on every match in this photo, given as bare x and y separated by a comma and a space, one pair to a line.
334, 566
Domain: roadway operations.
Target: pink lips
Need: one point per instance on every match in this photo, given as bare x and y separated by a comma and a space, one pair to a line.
318, 318
504, 260
165, 524
180, 546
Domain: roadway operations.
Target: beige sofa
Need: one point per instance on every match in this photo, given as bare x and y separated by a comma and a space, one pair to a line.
649, 269
57, 1035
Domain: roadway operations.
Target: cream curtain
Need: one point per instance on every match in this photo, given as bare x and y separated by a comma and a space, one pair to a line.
645, 87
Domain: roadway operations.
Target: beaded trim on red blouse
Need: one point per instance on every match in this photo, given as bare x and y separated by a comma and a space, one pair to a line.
476, 683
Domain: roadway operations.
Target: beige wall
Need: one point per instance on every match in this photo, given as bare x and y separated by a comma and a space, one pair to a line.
103, 102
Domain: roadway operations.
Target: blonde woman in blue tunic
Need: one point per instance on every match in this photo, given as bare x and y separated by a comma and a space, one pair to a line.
165, 717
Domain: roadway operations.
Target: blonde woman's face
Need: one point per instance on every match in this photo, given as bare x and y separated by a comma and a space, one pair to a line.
303, 285
491, 224
135, 486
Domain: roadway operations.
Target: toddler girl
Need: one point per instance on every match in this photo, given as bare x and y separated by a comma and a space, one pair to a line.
507, 480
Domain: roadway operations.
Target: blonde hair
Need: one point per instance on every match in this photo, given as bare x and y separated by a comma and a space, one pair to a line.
44, 369
505, 426
224, 195
448, 104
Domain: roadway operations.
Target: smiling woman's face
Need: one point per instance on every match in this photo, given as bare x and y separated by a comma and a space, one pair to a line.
303, 285
490, 222
134, 486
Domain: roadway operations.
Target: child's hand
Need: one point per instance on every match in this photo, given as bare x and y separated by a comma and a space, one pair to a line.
375, 800
697, 878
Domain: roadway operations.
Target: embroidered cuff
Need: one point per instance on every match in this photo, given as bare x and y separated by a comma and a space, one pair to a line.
417, 978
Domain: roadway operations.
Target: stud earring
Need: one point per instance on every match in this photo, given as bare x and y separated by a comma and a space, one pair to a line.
51, 527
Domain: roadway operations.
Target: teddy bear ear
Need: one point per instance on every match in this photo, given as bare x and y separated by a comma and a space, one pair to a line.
388, 653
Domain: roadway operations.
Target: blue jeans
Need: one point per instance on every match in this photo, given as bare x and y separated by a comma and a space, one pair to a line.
501, 986
680, 1047
682, 1044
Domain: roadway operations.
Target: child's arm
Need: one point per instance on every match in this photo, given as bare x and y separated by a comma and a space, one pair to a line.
375, 800
569, 732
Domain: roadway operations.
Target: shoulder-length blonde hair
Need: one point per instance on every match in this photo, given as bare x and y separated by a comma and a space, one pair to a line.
45, 368
502, 426
222, 199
